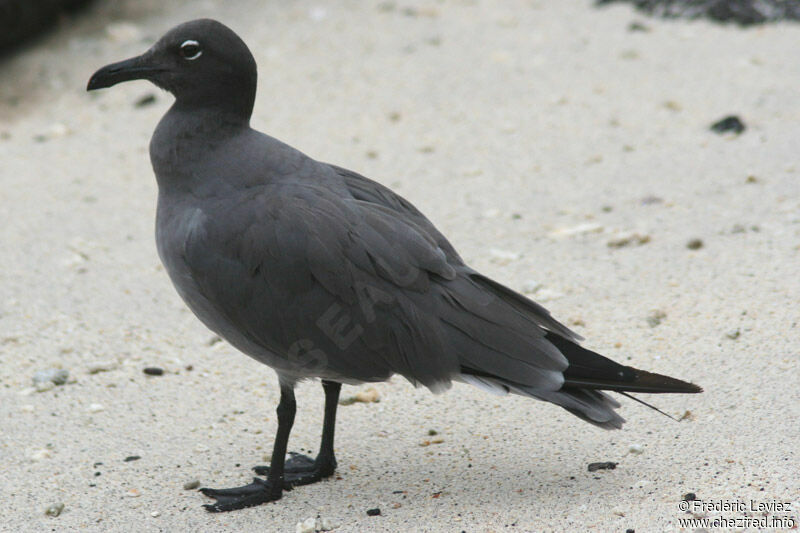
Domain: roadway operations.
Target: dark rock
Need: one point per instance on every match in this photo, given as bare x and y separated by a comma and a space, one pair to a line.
132, 458
608, 465
694, 244
153, 371
373, 512
729, 124
741, 12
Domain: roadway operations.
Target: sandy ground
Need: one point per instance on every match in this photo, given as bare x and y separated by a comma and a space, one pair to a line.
532, 134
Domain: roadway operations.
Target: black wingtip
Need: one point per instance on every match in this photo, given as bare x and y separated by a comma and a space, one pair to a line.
636, 381
657, 383
590, 370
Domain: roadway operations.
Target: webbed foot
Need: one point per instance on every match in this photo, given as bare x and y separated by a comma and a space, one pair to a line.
301, 469
256, 493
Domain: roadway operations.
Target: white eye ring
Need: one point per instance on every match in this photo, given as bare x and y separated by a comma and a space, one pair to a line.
191, 43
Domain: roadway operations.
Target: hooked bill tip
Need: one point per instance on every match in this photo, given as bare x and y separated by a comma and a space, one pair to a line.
135, 68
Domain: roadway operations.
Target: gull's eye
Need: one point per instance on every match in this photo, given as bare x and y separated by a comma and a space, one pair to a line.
191, 50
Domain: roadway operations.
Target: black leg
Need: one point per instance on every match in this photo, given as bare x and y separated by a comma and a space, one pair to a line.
326, 460
301, 469
260, 491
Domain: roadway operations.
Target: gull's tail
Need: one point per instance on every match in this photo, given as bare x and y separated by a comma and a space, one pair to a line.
587, 375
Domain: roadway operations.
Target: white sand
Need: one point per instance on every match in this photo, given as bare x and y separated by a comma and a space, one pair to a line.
552, 110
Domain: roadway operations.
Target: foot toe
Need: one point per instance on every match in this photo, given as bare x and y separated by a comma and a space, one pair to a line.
256, 493
296, 463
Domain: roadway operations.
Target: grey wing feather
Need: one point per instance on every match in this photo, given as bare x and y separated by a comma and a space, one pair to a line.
368, 190
335, 254
365, 189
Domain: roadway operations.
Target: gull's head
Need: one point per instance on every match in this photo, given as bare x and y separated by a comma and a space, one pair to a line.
202, 62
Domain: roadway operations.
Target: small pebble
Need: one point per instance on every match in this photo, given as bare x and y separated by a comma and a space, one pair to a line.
694, 244
628, 238
153, 371
57, 376
738, 228
191, 485
54, 510
155, 514
133, 493
366, 396
733, 334
95, 408
655, 317
630, 530
531, 286
636, 449
652, 199
374, 512
101, 366
40, 455
132, 458
729, 124
309, 525
325, 524
580, 229
608, 465
45, 386
689, 497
